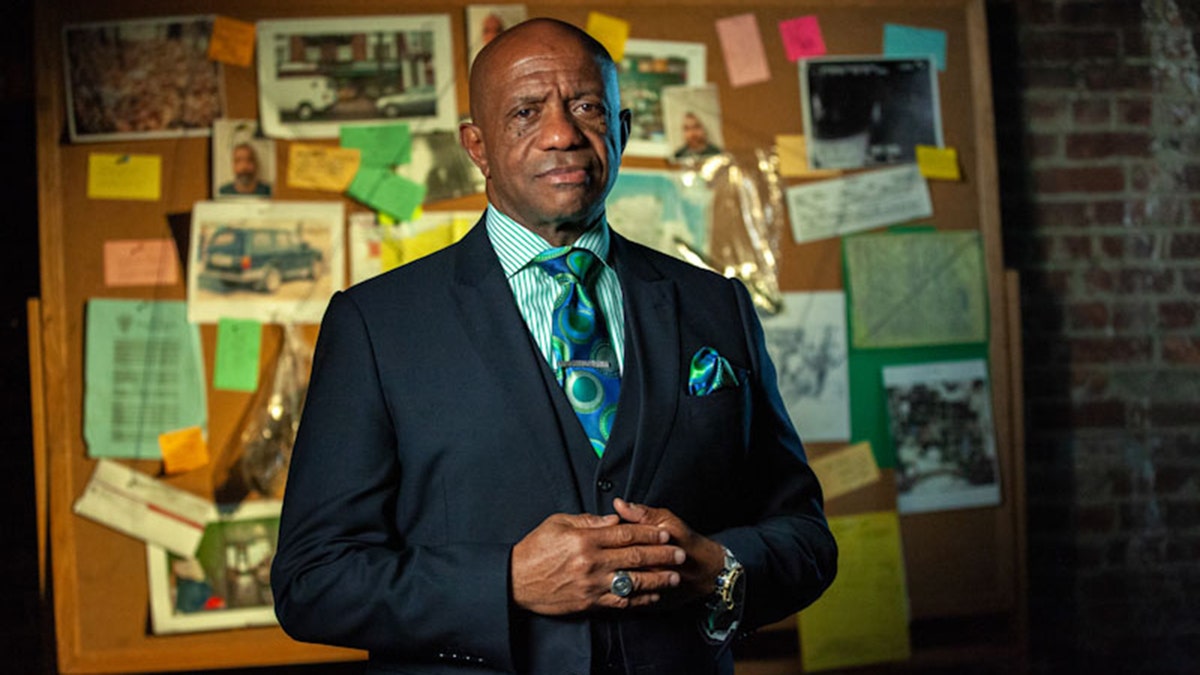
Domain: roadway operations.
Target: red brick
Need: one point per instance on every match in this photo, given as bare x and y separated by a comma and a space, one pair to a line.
1091, 415
1110, 350
1115, 13
1056, 46
1096, 519
1097, 145
1177, 314
1145, 280
1181, 350
1098, 280
1087, 316
1076, 248
1185, 246
1132, 317
1134, 42
1121, 78
1042, 111
1191, 177
1042, 146
1085, 179
1064, 214
1173, 478
1092, 112
1054, 78
1135, 111
1190, 280
1181, 514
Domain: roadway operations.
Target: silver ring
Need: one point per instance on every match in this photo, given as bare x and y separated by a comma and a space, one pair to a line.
622, 584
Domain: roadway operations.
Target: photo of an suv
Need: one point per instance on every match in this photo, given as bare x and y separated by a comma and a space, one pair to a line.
260, 258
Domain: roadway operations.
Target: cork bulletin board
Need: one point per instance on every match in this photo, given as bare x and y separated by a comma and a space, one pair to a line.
960, 563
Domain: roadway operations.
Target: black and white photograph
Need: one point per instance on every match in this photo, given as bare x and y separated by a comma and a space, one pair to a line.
940, 422
227, 584
647, 67
243, 161
485, 22
440, 164
317, 75
807, 341
276, 262
144, 78
864, 111
692, 116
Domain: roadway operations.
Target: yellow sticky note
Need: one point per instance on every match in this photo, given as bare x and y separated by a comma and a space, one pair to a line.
183, 450
321, 167
423, 243
610, 32
940, 163
460, 227
846, 470
863, 617
793, 158
232, 41
116, 176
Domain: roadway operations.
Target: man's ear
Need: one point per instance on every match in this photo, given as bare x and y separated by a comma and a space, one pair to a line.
626, 127
470, 137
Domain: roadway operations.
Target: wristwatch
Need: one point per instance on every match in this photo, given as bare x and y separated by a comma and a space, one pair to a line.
724, 604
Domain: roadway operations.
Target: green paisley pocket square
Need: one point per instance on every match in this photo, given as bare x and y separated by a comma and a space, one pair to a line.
710, 372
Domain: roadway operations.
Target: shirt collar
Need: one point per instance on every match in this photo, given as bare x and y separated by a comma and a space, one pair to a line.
516, 245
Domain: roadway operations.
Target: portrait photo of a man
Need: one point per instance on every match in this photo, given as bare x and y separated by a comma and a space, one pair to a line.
243, 163
693, 117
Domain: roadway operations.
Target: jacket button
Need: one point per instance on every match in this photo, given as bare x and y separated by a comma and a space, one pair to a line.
605, 485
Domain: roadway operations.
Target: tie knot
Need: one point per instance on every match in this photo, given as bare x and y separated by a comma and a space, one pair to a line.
577, 263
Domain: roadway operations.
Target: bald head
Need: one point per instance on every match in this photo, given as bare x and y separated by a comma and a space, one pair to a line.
499, 53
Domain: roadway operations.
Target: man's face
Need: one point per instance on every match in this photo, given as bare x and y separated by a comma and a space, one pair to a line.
245, 165
694, 134
547, 133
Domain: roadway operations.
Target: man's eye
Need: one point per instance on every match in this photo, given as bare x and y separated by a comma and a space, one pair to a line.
587, 108
524, 113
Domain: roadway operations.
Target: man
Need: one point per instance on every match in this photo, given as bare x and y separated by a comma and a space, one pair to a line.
446, 509
695, 139
245, 174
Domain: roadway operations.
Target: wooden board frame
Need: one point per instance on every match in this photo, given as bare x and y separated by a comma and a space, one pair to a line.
960, 564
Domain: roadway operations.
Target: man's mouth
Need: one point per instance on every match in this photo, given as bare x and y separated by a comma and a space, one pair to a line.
566, 175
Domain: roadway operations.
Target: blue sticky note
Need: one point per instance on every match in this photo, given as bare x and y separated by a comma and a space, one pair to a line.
901, 40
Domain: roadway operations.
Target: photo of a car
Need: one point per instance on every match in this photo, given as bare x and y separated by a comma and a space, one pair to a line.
260, 258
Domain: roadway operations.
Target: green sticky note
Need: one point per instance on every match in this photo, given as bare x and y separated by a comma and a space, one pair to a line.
382, 145
383, 190
239, 342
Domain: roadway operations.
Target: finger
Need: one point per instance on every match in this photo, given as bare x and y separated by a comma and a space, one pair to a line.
634, 513
647, 557
590, 521
646, 590
622, 536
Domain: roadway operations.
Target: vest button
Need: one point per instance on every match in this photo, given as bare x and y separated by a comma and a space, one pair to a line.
605, 485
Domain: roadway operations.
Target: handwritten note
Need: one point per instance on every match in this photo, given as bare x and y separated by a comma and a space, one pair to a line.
901, 40
140, 262
863, 617
610, 32
838, 206
118, 176
231, 42
320, 167
239, 342
846, 470
741, 43
183, 450
938, 163
802, 37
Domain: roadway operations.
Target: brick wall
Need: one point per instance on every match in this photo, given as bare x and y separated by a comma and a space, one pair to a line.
1098, 121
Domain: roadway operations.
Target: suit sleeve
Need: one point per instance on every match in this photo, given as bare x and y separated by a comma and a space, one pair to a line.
786, 548
343, 574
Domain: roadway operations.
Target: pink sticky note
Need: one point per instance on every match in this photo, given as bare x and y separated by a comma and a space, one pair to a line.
802, 37
741, 42
140, 262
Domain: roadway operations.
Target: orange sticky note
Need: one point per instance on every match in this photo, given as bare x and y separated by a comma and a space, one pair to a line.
741, 43
232, 41
140, 262
938, 163
610, 32
183, 450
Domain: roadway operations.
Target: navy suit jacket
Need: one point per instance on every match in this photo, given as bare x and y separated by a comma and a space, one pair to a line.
434, 438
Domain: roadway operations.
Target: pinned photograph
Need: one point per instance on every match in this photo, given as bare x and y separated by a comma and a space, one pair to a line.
647, 67
693, 119
227, 584
243, 162
145, 78
485, 22
317, 75
869, 111
276, 262
940, 417
442, 166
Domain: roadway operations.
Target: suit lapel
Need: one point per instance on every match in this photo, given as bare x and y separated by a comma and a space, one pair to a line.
491, 319
652, 343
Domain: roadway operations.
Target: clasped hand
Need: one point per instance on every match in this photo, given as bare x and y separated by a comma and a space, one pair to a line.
566, 564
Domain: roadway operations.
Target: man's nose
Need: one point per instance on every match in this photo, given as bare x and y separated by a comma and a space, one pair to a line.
560, 129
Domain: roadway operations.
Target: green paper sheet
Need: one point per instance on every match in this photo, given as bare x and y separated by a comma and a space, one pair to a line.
384, 191
143, 376
380, 146
239, 342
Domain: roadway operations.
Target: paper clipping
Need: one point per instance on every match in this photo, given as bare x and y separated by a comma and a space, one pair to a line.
831, 208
